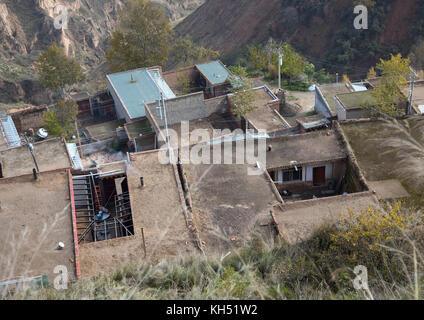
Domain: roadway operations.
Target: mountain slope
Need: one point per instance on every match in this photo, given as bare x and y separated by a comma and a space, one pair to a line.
27, 28
322, 30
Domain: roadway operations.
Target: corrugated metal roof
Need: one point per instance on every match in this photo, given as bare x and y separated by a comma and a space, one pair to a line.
9, 132
73, 153
215, 72
167, 92
316, 124
137, 87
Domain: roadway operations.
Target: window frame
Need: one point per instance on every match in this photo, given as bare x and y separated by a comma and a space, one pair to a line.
291, 173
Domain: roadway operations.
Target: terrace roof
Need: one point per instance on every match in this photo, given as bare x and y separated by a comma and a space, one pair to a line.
50, 155
35, 216
355, 100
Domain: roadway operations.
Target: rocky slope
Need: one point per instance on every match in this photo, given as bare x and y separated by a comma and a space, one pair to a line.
27, 28
321, 29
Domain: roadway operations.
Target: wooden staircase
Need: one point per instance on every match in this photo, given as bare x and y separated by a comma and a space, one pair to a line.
98, 197
84, 207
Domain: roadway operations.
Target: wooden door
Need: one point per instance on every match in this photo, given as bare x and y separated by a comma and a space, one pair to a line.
319, 176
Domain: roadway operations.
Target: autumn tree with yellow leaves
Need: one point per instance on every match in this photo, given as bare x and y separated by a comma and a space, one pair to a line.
388, 97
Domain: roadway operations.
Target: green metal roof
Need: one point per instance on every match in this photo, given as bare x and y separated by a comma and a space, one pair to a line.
137, 87
214, 72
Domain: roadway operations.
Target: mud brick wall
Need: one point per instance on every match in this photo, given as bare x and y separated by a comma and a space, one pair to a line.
216, 105
29, 118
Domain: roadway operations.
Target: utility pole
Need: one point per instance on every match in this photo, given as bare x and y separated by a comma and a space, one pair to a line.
31, 150
411, 91
159, 108
337, 77
135, 145
78, 135
166, 127
280, 63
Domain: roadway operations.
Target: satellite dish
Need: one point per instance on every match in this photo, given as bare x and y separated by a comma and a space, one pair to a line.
42, 133
102, 216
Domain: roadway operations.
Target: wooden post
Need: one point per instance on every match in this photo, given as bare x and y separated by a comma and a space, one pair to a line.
144, 242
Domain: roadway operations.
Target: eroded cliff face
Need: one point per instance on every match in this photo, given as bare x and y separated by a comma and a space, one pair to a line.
27, 28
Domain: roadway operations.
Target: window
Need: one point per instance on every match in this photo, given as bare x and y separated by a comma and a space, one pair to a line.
272, 174
292, 175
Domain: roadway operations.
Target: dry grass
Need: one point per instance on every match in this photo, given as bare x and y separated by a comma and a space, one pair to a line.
319, 268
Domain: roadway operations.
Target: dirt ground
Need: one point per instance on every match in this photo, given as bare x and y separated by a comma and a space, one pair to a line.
34, 218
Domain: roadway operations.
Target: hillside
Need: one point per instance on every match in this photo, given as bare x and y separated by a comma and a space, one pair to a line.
322, 30
27, 28
260, 270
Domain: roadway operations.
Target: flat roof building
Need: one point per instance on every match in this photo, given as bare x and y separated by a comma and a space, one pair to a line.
325, 96
353, 105
159, 218
298, 221
49, 155
266, 116
227, 203
310, 148
385, 151
35, 215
